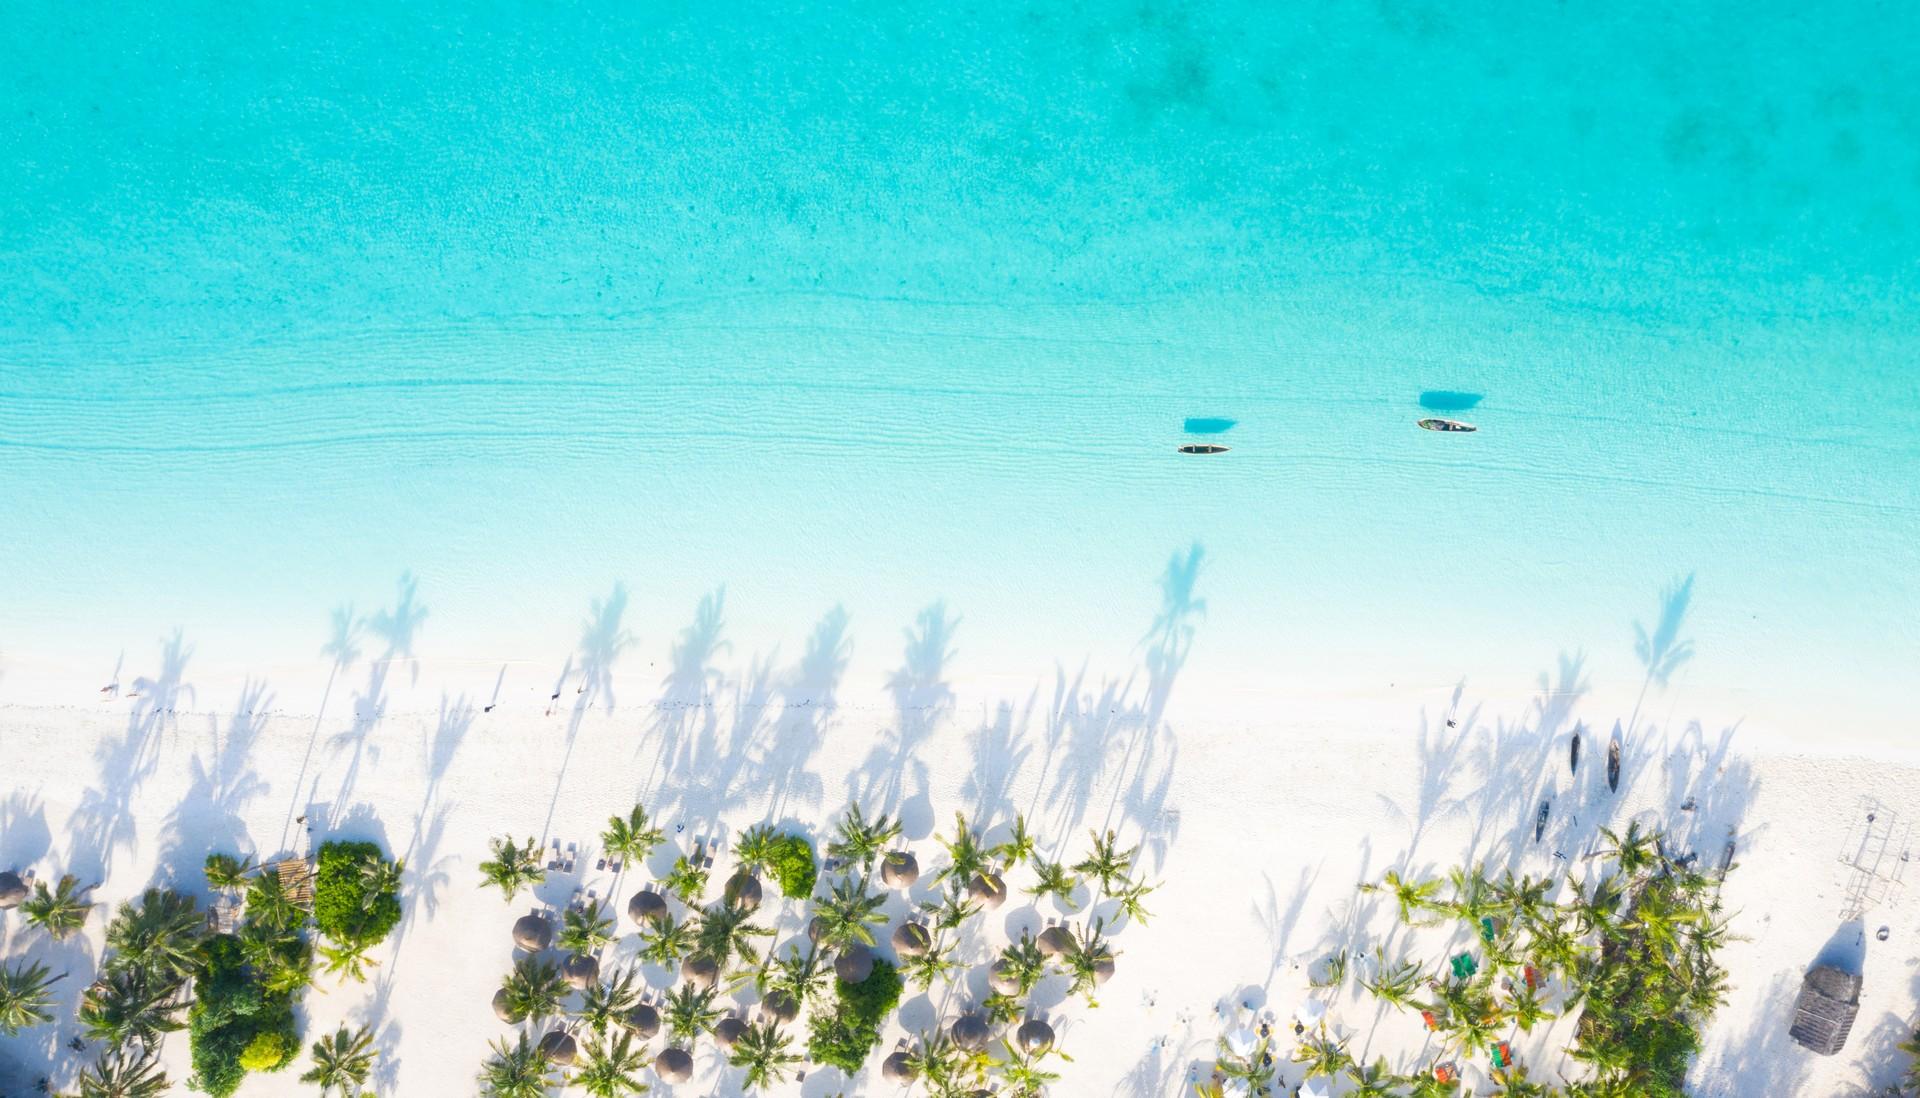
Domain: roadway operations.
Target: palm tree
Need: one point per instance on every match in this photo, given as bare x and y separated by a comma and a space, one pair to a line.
1023, 961
534, 989
754, 850
517, 1071
585, 929
128, 1006
666, 941
379, 878
1018, 847
848, 914
724, 934
1515, 1084
1322, 1055
689, 1013
605, 1002
1527, 1009
631, 839
1371, 1081
762, 1051
1084, 960
226, 873
1911, 1046
1393, 984
342, 1062
61, 910
1473, 898
860, 840
612, 1067
952, 909
1107, 863
1023, 1074
24, 1001
348, 960
686, 881
1255, 1069
1411, 896
797, 976
120, 1074
270, 906
1130, 896
1635, 852
1424, 1084
512, 867
930, 967
1052, 878
160, 936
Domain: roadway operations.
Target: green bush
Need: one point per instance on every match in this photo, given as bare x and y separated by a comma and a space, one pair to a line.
230, 1016
340, 902
844, 1036
793, 866
266, 1052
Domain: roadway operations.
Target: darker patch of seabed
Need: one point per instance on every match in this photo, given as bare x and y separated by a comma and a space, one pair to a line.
1209, 425
1448, 400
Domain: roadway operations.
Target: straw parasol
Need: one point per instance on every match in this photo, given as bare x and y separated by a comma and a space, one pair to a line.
728, 1032
700, 972
675, 1065
532, 932
13, 891
816, 929
1035, 1036
971, 1032
559, 1046
643, 1020
780, 1006
988, 888
1315, 1088
899, 869
1311, 1012
1003, 979
1103, 969
897, 1068
743, 891
580, 970
1241, 1041
911, 939
1055, 940
647, 906
1823, 1014
854, 964
503, 1010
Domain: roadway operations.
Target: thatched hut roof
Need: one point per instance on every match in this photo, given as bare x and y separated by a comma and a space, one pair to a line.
533, 932
911, 939
647, 906
560, 1048
581, 971
728, 1031
13, 890
1823, 1015
971, 1032
816, 929
1103, 969
701, 972
503, 1009
897, 1069
854, 964
743, 890
1002, 978
1035, 1035
779, 1005
643, 1020
675, 1065
1055, 940
989, 889
899, 869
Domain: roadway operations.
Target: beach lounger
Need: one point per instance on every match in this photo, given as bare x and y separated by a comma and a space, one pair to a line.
573, 853
1464, 966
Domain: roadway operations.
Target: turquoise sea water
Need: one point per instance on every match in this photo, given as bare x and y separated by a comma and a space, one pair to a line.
845, 304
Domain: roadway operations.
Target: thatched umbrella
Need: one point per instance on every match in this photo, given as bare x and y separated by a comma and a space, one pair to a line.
897, 1068
743, 891
643, 1020
780, 1006
503, 1010
854, 964
559, 1046
971, 1032
13, 890
675, 1065
581, 971
1823, 1014
1311, 1012
1035, 1036
701, 972
911, 939
532, 932
1103, 969
899, 869
1003, 979
728, 1031
647, 906
816, 929
1055, 940
988, 888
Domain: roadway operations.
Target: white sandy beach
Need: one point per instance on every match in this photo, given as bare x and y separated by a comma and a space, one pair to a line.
1258, 829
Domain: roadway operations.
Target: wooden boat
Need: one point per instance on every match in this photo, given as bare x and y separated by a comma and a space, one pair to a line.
1203, 448
1613, 764
1447, 425
1573, 756
1540, 822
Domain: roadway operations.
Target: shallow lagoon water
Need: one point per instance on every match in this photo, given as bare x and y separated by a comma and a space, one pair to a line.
835, 305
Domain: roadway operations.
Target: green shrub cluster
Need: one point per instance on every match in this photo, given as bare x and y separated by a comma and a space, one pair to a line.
845, 1035
792, 865
236, 1024
342, 908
